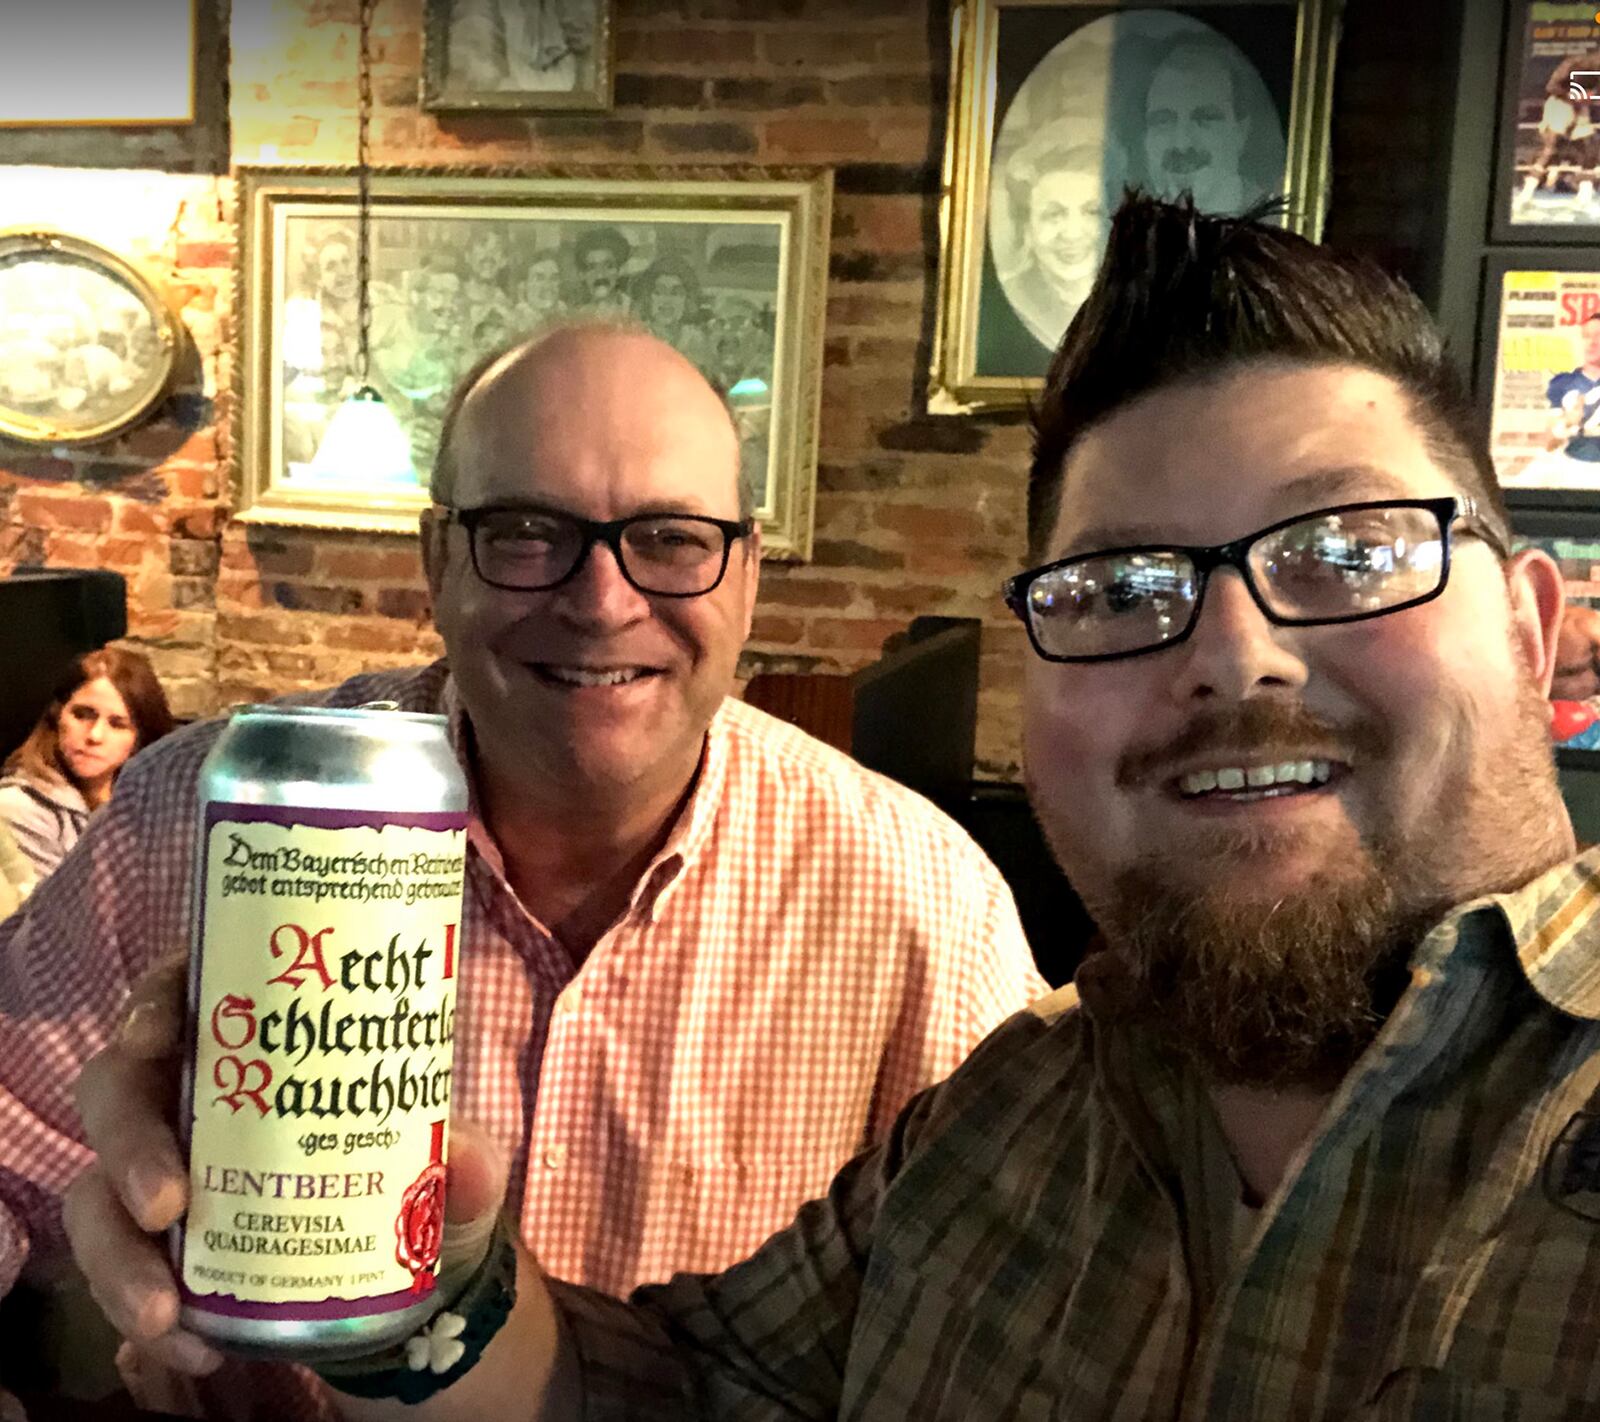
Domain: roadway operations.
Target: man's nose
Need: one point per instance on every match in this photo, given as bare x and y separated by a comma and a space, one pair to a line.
599, 593
1234, 652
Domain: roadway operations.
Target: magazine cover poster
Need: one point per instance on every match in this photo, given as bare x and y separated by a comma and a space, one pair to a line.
1555, 145
1546, 427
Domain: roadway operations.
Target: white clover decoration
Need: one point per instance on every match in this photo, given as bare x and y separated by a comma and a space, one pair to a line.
436, 1346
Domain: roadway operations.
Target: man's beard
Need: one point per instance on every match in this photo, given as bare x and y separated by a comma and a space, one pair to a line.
1270, 994
1291, 990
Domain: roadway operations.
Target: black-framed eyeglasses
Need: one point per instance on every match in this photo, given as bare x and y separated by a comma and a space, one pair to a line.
528, 549
1340, 564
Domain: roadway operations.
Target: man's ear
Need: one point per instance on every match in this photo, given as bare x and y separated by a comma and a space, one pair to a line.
433, 529
752, 577
1538, 598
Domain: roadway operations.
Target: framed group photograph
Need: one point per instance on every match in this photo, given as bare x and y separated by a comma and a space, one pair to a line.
729, 268
1548, 163
88, 343
1058, 106
517, 55
1539, 370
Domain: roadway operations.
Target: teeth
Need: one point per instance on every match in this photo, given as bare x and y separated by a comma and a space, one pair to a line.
584, 676
1256, 777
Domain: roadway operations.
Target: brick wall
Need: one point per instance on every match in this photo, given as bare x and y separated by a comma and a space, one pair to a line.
913, 514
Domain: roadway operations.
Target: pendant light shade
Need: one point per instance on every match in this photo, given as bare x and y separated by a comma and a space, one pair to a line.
364, 445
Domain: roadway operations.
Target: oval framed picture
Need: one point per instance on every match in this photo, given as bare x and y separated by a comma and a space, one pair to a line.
87, 343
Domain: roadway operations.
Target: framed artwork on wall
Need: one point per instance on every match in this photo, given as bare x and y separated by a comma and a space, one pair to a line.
1056, 106
139, 71
1539, 370
728, 267
517, 55
1548, 163
87, 343
1573, 540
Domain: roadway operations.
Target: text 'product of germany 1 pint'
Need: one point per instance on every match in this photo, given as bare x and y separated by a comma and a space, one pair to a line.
322, 1010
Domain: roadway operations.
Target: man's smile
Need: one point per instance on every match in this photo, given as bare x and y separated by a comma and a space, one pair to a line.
1286, 777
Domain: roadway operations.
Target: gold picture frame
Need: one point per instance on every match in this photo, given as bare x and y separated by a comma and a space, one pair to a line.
150, 83
491, 56
88, 344
1066, 102
466, 259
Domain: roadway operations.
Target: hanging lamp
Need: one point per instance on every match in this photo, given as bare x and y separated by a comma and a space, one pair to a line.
364, 443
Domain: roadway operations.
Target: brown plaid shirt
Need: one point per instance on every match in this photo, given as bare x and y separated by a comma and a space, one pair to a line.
1055, 1232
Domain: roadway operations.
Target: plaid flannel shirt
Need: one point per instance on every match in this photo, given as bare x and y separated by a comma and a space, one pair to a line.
1056, 1232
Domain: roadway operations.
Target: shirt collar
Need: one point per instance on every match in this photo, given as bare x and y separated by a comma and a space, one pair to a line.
1555, 923
690, 830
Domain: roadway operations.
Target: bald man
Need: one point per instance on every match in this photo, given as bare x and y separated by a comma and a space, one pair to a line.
672, 898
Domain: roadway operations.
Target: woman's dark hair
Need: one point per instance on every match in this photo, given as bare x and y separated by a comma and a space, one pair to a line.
135, 681
1181, 295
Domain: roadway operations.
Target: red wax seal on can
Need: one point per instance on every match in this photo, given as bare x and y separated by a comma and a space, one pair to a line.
419, 1227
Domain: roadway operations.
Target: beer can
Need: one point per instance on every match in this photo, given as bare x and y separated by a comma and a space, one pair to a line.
316, 1087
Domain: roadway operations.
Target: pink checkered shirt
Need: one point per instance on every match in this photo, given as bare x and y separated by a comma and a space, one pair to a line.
812, 946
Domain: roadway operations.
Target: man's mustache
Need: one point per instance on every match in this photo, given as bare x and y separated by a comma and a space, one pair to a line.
1258, 730
1182, 161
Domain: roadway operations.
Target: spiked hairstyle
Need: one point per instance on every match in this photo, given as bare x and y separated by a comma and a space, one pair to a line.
1181, 295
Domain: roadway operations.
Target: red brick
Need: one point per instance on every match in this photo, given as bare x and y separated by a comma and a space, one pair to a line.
850, 634
784, 631
240, 591
404, 603
917, 521
268, 559
813, 138
80, 511
805, 592
367, 636
681, 45
362, 565
281, 630
121, 553
139, 519
205, 254
204, 522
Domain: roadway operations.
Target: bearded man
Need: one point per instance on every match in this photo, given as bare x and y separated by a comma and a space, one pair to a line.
1315, 1138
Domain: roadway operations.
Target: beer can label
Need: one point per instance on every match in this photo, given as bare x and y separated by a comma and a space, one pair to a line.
324, 1011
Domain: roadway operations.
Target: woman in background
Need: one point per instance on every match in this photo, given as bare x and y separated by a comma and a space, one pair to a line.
107, 706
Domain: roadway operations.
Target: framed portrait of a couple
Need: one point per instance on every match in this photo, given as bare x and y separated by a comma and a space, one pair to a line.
1056, 107
516, 55
728, 267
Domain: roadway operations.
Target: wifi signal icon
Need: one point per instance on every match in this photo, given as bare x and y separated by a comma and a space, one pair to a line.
1577, 90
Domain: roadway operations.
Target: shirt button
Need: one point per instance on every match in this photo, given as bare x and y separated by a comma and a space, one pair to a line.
555, 1156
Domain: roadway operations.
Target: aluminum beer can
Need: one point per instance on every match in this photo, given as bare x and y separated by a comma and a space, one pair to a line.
317, 1081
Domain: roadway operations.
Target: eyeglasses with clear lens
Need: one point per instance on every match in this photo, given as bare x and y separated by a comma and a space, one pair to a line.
534, 550
1338, 564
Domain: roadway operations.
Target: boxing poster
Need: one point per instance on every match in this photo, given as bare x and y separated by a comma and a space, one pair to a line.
1553, 112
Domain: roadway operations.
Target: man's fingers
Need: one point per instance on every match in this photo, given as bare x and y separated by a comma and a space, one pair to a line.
152, 1022
476, 1181
127, 1270
124, 1103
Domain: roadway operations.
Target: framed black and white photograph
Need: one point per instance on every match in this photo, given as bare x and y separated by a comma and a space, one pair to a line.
87, 342
1539, 373
521, 55
1057, 107
729, 269
1549, 150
